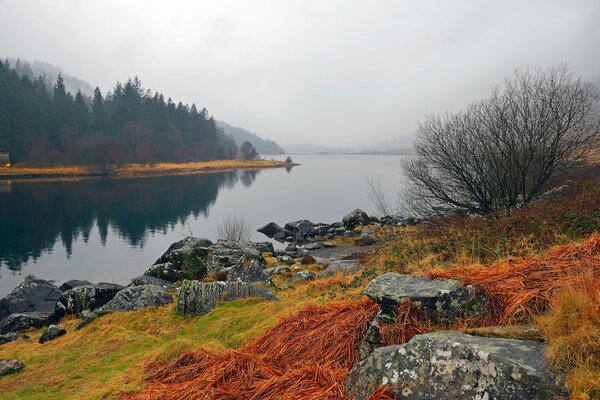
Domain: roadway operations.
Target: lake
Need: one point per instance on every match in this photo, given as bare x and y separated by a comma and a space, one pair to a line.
111, 230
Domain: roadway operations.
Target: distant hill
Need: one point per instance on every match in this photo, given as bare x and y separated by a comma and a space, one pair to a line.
398, 145
50, 73
307, 148
240, 135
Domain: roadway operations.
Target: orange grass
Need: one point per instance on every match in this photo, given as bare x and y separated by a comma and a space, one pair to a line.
408, 324
518, 290
306, 356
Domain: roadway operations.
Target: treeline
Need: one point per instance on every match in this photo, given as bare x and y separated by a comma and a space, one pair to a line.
128, 124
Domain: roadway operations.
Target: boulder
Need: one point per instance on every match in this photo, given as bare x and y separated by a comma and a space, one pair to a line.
136, 297
441, 300
304, 275
319, 229
10, 366
302, 227
32, 295
263, 247
87, 297
52, 332
356, 218
453, 365
165, 271
277, 270
328, 245
198, 298
12, 336
312, 246
274, 231
73, 283
285, 259
344, 267
365, 239
183, 258
150, 280
249, 270
86, 317
184, 247
22, 321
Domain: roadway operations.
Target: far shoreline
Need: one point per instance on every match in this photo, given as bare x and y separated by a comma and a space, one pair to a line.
25, 172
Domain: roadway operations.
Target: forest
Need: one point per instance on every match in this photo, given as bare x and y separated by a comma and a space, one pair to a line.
126, 125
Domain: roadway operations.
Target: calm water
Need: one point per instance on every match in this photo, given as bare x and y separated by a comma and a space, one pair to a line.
112, 230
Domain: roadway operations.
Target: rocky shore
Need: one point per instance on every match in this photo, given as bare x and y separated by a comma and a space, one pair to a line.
198, 273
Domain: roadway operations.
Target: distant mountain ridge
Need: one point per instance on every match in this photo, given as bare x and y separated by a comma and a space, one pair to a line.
398, 145
50, 74
240, 135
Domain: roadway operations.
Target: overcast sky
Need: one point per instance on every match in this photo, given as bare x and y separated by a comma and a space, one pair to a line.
325, 72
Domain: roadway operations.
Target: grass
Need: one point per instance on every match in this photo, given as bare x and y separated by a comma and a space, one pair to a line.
146, 169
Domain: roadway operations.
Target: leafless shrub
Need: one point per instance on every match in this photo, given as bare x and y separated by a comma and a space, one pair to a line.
378, 198
503, 152
234, 229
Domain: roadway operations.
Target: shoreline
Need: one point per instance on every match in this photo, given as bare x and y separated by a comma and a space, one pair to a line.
140, 170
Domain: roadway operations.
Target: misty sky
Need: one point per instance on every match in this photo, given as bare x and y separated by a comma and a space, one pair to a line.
324, 72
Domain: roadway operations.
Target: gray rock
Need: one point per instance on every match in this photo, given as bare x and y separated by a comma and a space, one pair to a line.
249, 270
355, 218
344, 267
277, 270
285, 259
73, 283
365, 239
52, 332
302, 226
198, 298
87, 297
312, 246
320, 229
328, 245
21, 321
165, 271
32, 295
10, 366
183, 258
453, 365
442, 300
263, 247
86, 318
12, 336
136, 297
304, 275
274, 231
184, 247
150, 280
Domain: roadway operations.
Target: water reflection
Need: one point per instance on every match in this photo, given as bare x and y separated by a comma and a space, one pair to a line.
33, 215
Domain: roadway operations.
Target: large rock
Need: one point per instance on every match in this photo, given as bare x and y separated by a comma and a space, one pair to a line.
52, 332
136, 297
263, 247
441, 300
277, 270
73, 283
87, 297
22, 321
150, 280
453, 365
184, 258
304, 276
343, 267
198, 298
12, 336
356, 218
10, 366
274, 231
32, 295
365, 239
249, 270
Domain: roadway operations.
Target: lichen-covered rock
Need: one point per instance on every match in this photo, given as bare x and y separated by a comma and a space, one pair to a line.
453, 365
186, 257
86, 318
32, 295
365, 239
10, 366
441, 300
22, 321
263, 247
356, 218
198, 298
277, 270
249, 269
73, 283
304, 275
52, 332
12, 336
87, 297
150, 280
136, 297
344, 267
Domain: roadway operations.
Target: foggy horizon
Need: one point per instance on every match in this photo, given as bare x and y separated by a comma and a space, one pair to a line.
343, 74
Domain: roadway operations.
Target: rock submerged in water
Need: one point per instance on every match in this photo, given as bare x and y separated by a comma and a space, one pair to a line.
10, 366
450, 364
52, 332
136, 297
198, 298
441, 300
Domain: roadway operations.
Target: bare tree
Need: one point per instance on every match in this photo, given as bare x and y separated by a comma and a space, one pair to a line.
234, 229
378, 198
503, 152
